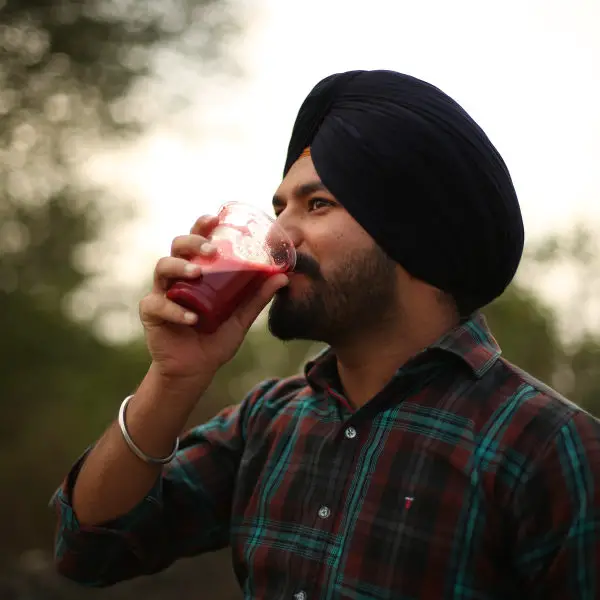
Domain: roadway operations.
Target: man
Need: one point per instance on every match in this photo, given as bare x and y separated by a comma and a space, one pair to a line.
409, 460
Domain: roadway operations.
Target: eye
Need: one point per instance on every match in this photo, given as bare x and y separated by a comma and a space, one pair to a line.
316, 203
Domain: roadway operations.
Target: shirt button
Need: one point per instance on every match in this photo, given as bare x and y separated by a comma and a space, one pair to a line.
300, 596
350, 433
324, 512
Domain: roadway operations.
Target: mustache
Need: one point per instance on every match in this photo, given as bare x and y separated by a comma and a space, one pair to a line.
307, 265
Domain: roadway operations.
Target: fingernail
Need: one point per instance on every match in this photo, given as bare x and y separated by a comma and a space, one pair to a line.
207, 248
189, 317
191, 268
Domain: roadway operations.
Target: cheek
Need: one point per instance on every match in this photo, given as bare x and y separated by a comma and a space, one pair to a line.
331, 239
329, 246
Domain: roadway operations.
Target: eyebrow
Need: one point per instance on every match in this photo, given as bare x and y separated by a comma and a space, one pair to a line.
302, 190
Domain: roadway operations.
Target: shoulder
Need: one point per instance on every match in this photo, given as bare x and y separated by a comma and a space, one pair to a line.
563, 443
543, 400
274, 396
538, 416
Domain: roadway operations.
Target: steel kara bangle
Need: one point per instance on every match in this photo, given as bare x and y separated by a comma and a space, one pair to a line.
132, 445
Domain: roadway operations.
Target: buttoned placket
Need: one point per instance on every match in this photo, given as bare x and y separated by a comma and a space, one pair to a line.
341, 448
342, 445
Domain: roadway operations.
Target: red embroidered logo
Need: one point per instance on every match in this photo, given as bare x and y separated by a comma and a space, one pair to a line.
408, 500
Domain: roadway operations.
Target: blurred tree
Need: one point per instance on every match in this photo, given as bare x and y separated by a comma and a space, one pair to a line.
73, 74
526, 331
575, 256
584, 365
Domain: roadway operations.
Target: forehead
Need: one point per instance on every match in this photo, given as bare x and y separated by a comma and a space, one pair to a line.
302, 172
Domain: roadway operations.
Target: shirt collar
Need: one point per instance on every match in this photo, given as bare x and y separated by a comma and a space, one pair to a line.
471, 341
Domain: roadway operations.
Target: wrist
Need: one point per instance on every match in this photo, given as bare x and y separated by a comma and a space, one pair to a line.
177, 387
159, 410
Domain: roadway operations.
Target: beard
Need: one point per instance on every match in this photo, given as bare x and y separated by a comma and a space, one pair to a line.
359, 295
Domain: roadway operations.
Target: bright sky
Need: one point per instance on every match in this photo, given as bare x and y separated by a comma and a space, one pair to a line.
527, 71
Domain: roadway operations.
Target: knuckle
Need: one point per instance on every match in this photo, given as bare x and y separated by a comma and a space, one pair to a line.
144, 305
202, 220
176, 243
148, 302
160, 265
167, 266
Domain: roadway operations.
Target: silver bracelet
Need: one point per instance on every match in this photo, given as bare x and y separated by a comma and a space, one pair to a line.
132, 446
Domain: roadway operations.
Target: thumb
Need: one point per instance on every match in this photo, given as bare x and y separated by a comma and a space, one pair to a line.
249, 311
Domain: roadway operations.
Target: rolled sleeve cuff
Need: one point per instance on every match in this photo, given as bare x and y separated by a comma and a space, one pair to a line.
62, 502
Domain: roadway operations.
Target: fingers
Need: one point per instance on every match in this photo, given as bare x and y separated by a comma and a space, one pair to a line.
170, 268
204, 225
248, 312
157, 309
187, 246
196, 242
184, 263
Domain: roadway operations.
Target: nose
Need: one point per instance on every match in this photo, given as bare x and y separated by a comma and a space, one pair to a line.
291, 228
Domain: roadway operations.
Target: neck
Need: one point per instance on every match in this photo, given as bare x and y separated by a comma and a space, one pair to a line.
366, 364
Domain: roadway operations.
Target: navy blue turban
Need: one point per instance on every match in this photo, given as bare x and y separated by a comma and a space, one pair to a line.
419, 175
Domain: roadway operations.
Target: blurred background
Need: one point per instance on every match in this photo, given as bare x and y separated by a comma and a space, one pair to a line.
122, 121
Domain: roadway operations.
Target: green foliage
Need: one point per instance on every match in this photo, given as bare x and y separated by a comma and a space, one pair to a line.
526, 331
584, 359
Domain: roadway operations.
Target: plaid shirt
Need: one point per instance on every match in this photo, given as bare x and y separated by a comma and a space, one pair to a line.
464, 478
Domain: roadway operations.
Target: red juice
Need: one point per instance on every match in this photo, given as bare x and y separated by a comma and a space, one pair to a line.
225, 283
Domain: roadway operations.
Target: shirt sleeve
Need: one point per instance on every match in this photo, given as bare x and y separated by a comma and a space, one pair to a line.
558, 532
187, 511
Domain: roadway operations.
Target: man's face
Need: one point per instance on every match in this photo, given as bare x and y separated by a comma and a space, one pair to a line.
343, 283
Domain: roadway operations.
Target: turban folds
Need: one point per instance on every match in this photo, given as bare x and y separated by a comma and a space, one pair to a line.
419, 175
